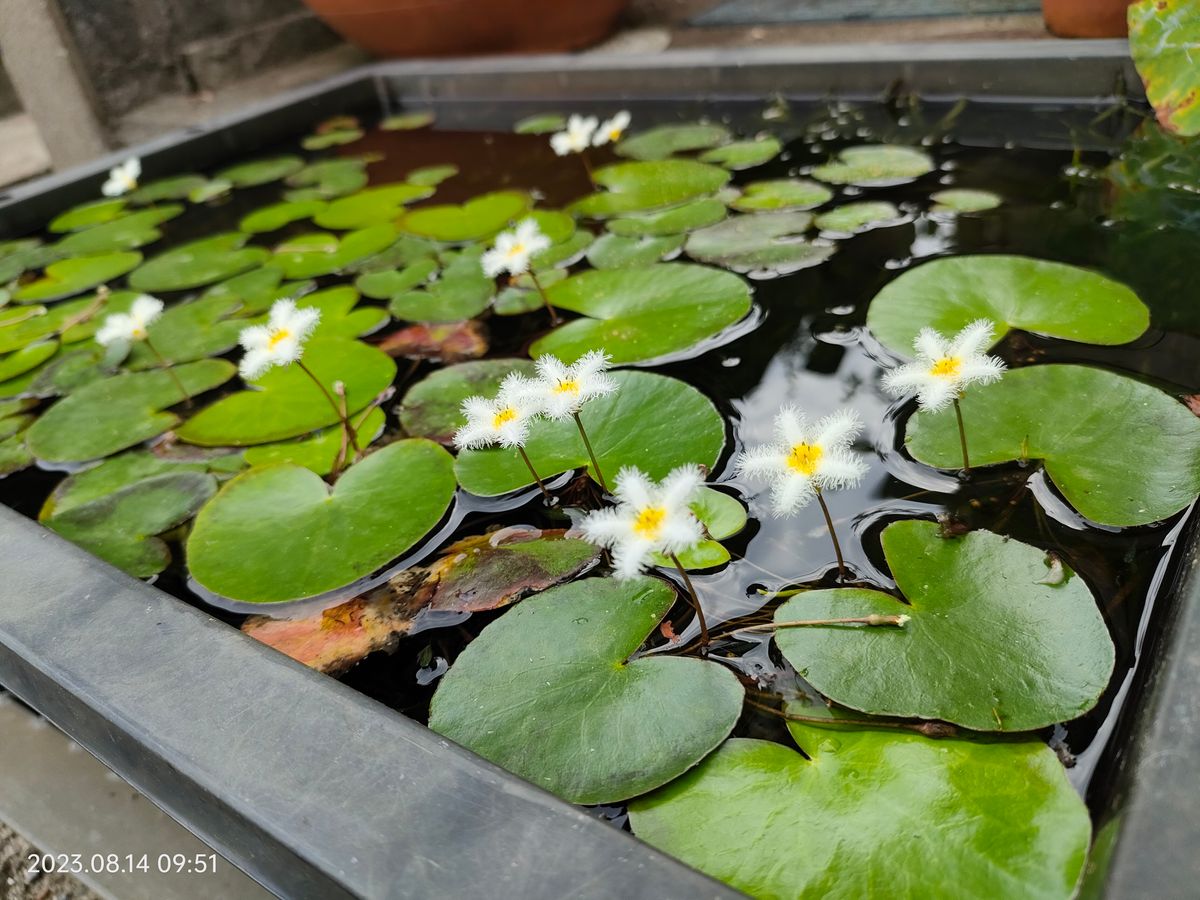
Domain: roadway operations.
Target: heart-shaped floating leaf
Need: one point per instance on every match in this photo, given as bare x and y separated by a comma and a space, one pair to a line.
1164, 36
120, 527
176, 187
407, 121
475, 220
431, 408
94, 212
317, 254
564, 253
462, 291
841, 820
614, 251
30, 357
667, 140
328, 179
198, 263
1120, 451
286, 404
642, 314
676, 220
854, 217
405, 251
277, 215
431, 176
653, 422
126, 233
340, 317
541, 123
17, 257
472, 575
876, 165
390, 283
1013, 292
210, 191
320, 451
280, 533
258, 289
189, 331
744, 154
15, 416
722, 516
14, 420
114, 413
763, 245
963, 200
261, 171
68, 277
542, 690
643, 186
990, 645
373, 206
782, 194
335, 137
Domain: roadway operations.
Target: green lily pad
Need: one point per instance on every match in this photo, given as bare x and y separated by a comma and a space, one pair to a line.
990, 645
1164, 36
614, 251
855, 217
409, 121
67, 370
390, 283
626, 428
646, 313
120, 528
198, 263
760, 244
278, 533
17, 257
14, 455
431, 176
1047, 298
86, 215
475, 220
564, 253
963, 200
340, 315
328, 179
318, 452
126, 233
316, 254
277, 215
285, 403
189, 331
258, 289
432, 407
68, 277
642, 186
462, 291
722, 516
335, 137
876, 165
744, 154
542, 123
1090, 427
176, 187
72, 430
840, 821
373, 206
667, 140
210, 191
29, 357
261, 171
543, 689
15, 416
782, 194
675, 220
405, 251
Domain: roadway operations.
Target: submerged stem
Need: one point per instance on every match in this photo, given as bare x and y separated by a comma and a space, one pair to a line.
554, 319
587, 166
962, 438
694, 599
163, 364
591, 453
929, 729
872, 620
837, 548
533, 472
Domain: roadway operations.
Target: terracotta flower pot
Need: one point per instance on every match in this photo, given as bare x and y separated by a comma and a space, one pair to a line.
1086, 18
457, 27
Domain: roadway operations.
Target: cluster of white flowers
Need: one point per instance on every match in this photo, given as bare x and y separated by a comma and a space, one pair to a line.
133, 325
514, 249
583, 132
122, 178
280, 341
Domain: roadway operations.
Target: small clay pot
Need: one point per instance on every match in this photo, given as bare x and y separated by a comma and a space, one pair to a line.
460, 27
1086, 18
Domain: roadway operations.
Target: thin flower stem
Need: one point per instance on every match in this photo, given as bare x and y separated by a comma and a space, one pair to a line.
339, 461
587, 166
554, 319
962, 438
533, 472
929, 729
694, 599
350, 436
591, 453
803, 623
837, 548
163, 364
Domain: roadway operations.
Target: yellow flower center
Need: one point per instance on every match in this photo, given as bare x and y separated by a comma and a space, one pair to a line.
614, 134
278, 337
804, 458
947, 367
515, 250
649, 522
139, 333
503, 417
567, 387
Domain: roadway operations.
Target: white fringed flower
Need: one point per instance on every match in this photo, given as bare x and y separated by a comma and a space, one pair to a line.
123, 178
944, 368
514, 249
612, 130
130, 326
649, 518
805, 458
502, 420
564, 389
577, 137
280, 341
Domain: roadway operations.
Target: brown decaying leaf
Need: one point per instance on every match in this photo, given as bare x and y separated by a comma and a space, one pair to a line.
450, 343
1192, 402
478, 573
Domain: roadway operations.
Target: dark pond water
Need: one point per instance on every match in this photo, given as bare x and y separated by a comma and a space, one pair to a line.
809, 347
